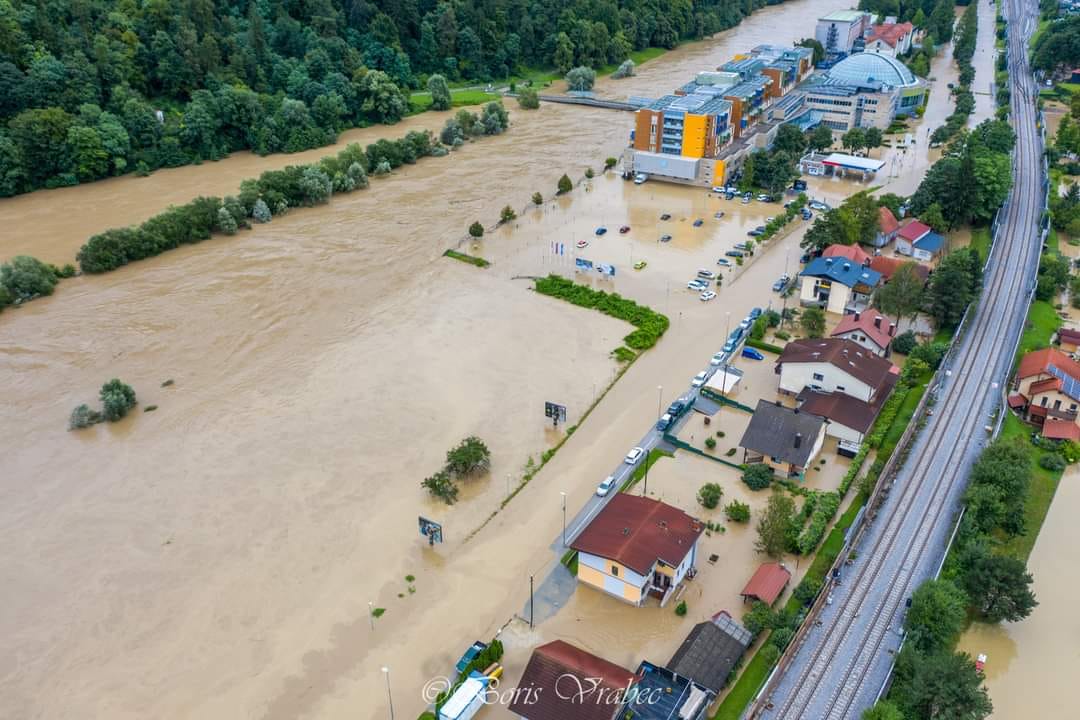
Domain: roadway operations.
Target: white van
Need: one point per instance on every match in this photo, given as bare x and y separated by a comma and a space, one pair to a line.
640, 178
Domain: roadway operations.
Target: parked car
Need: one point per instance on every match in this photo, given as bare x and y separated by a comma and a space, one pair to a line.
718, 359
762, 197
640, 178
729, 196
736, 334
665, 238
756, 232
818, 205
582, 244
698, 285
707, 295
732, 190
807, 215
676, 407
730, 345
664, 422
707, 274
700, 379
781, 283
741, 246
798, 185
745, 324
634, 455
746, 198
624, 229
606, 486
755, 313
734, 253
718, 215
724, 261
601, 230
752, 354
699, 222
665, 216
719, 189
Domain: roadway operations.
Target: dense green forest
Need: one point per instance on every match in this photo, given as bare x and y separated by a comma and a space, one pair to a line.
93, 88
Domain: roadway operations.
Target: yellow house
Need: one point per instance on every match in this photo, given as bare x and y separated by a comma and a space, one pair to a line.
637, 547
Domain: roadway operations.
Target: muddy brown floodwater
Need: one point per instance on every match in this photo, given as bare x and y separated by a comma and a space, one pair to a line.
217, 558
1031, 665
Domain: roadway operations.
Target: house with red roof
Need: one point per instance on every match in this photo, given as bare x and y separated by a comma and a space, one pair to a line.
869, 328
1069, 340
854, 253
1047, 390
918, 240
887, 227
892, 39
888, 266
636, 547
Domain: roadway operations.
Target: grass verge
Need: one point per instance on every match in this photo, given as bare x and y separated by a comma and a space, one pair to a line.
639, 472
471, 259
1040, 494
421, 101
980, 240
1042, 323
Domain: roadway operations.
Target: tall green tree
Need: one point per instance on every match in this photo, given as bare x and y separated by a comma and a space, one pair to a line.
941, 685
902, 296
999, 587
937, 615
775, 525
440, 92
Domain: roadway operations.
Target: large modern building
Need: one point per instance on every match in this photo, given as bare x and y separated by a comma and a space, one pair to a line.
843, 30
864, 90
679, 137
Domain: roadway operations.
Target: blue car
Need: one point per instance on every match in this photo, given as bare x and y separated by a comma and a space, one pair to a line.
601, 230
699, 222
755, 313
752, 354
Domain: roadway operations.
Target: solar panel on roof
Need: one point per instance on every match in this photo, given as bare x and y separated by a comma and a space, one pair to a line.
1069, 385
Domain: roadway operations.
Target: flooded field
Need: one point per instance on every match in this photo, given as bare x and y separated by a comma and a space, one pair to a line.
1031, 665
217, 558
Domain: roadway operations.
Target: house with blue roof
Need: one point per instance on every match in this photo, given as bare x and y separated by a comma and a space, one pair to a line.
928, 248
837, 284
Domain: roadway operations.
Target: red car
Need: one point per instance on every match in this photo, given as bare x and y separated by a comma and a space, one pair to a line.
624, 229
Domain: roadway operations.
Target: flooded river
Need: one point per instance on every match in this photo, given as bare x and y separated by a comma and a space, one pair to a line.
216, 558
1031, 665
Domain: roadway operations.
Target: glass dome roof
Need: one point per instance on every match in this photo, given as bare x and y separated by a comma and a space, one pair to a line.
862, 68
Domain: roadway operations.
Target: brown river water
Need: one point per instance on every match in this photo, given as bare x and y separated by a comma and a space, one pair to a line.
216, 558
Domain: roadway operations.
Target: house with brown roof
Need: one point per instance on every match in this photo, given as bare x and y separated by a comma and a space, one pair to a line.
767, 583
1069, 340
840, 381
711, 651
637, 547
1047, 388
563, 682
887, 227
869, 328
783, 438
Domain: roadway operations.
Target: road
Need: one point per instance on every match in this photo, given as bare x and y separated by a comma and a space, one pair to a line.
842, 663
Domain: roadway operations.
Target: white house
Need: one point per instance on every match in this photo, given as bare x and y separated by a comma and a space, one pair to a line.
636, 547
837, 284
840, 30
833, 365
909, 234
892, 39
870, 329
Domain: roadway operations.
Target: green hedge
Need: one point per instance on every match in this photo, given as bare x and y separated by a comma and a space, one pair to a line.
767, 347
471, 259
650, 324
825, 509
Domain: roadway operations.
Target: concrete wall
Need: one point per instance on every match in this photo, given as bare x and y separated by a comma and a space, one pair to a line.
611, 577
795, 376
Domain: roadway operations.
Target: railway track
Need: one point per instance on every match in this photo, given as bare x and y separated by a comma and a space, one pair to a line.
830, 676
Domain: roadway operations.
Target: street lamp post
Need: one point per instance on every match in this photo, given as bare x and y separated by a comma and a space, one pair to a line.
659, 404
727, 334
371, 615
389, 697
563, 518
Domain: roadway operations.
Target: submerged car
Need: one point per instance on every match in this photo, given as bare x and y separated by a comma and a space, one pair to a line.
818, 205
634, 455
707, 274
601, 230
698, 285
640, 265
734, 253
699, 379
752, 354
664, 422
780, 284
582, 244
665, 216
699, 222
724, 261
624, 229
707, 295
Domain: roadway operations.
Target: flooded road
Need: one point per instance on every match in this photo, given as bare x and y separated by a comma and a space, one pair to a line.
217, 558
1031, 665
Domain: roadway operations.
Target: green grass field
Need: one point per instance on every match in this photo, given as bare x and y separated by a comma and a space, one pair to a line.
980, 240
1043, 321
421, 101
1040, 493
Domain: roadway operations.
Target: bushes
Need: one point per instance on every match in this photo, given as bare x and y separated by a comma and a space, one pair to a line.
758, 476
537, 198
710, 442
709, 495
680, 609
507, 214
117, 398
826, 507
565, 185
650, 324
476, 230
625, 70
581, 79
469, 458
1054, 462
905, 342
25, 278
737, 511
528, 99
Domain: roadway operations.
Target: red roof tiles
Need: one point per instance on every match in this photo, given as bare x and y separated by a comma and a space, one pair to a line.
1041, 386
1054, 429
889, 33
850, 357
854, 253
1069, 335
872, 324
888, 266
1036, 362
636, 532
914, 230
887, 221
767, 583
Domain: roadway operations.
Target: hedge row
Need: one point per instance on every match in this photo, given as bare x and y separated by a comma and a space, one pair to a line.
650, 324
824, 510
774, 226
886, 417
762, 345
273, 193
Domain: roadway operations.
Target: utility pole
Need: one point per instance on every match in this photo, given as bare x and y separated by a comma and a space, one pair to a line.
530, 602
371, 615
563, 518
659, 404
389, 697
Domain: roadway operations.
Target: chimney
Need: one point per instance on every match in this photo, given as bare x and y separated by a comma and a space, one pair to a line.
798, 439
857, 313
892, 329
777, 403
828, 261
877, 321
847, 266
